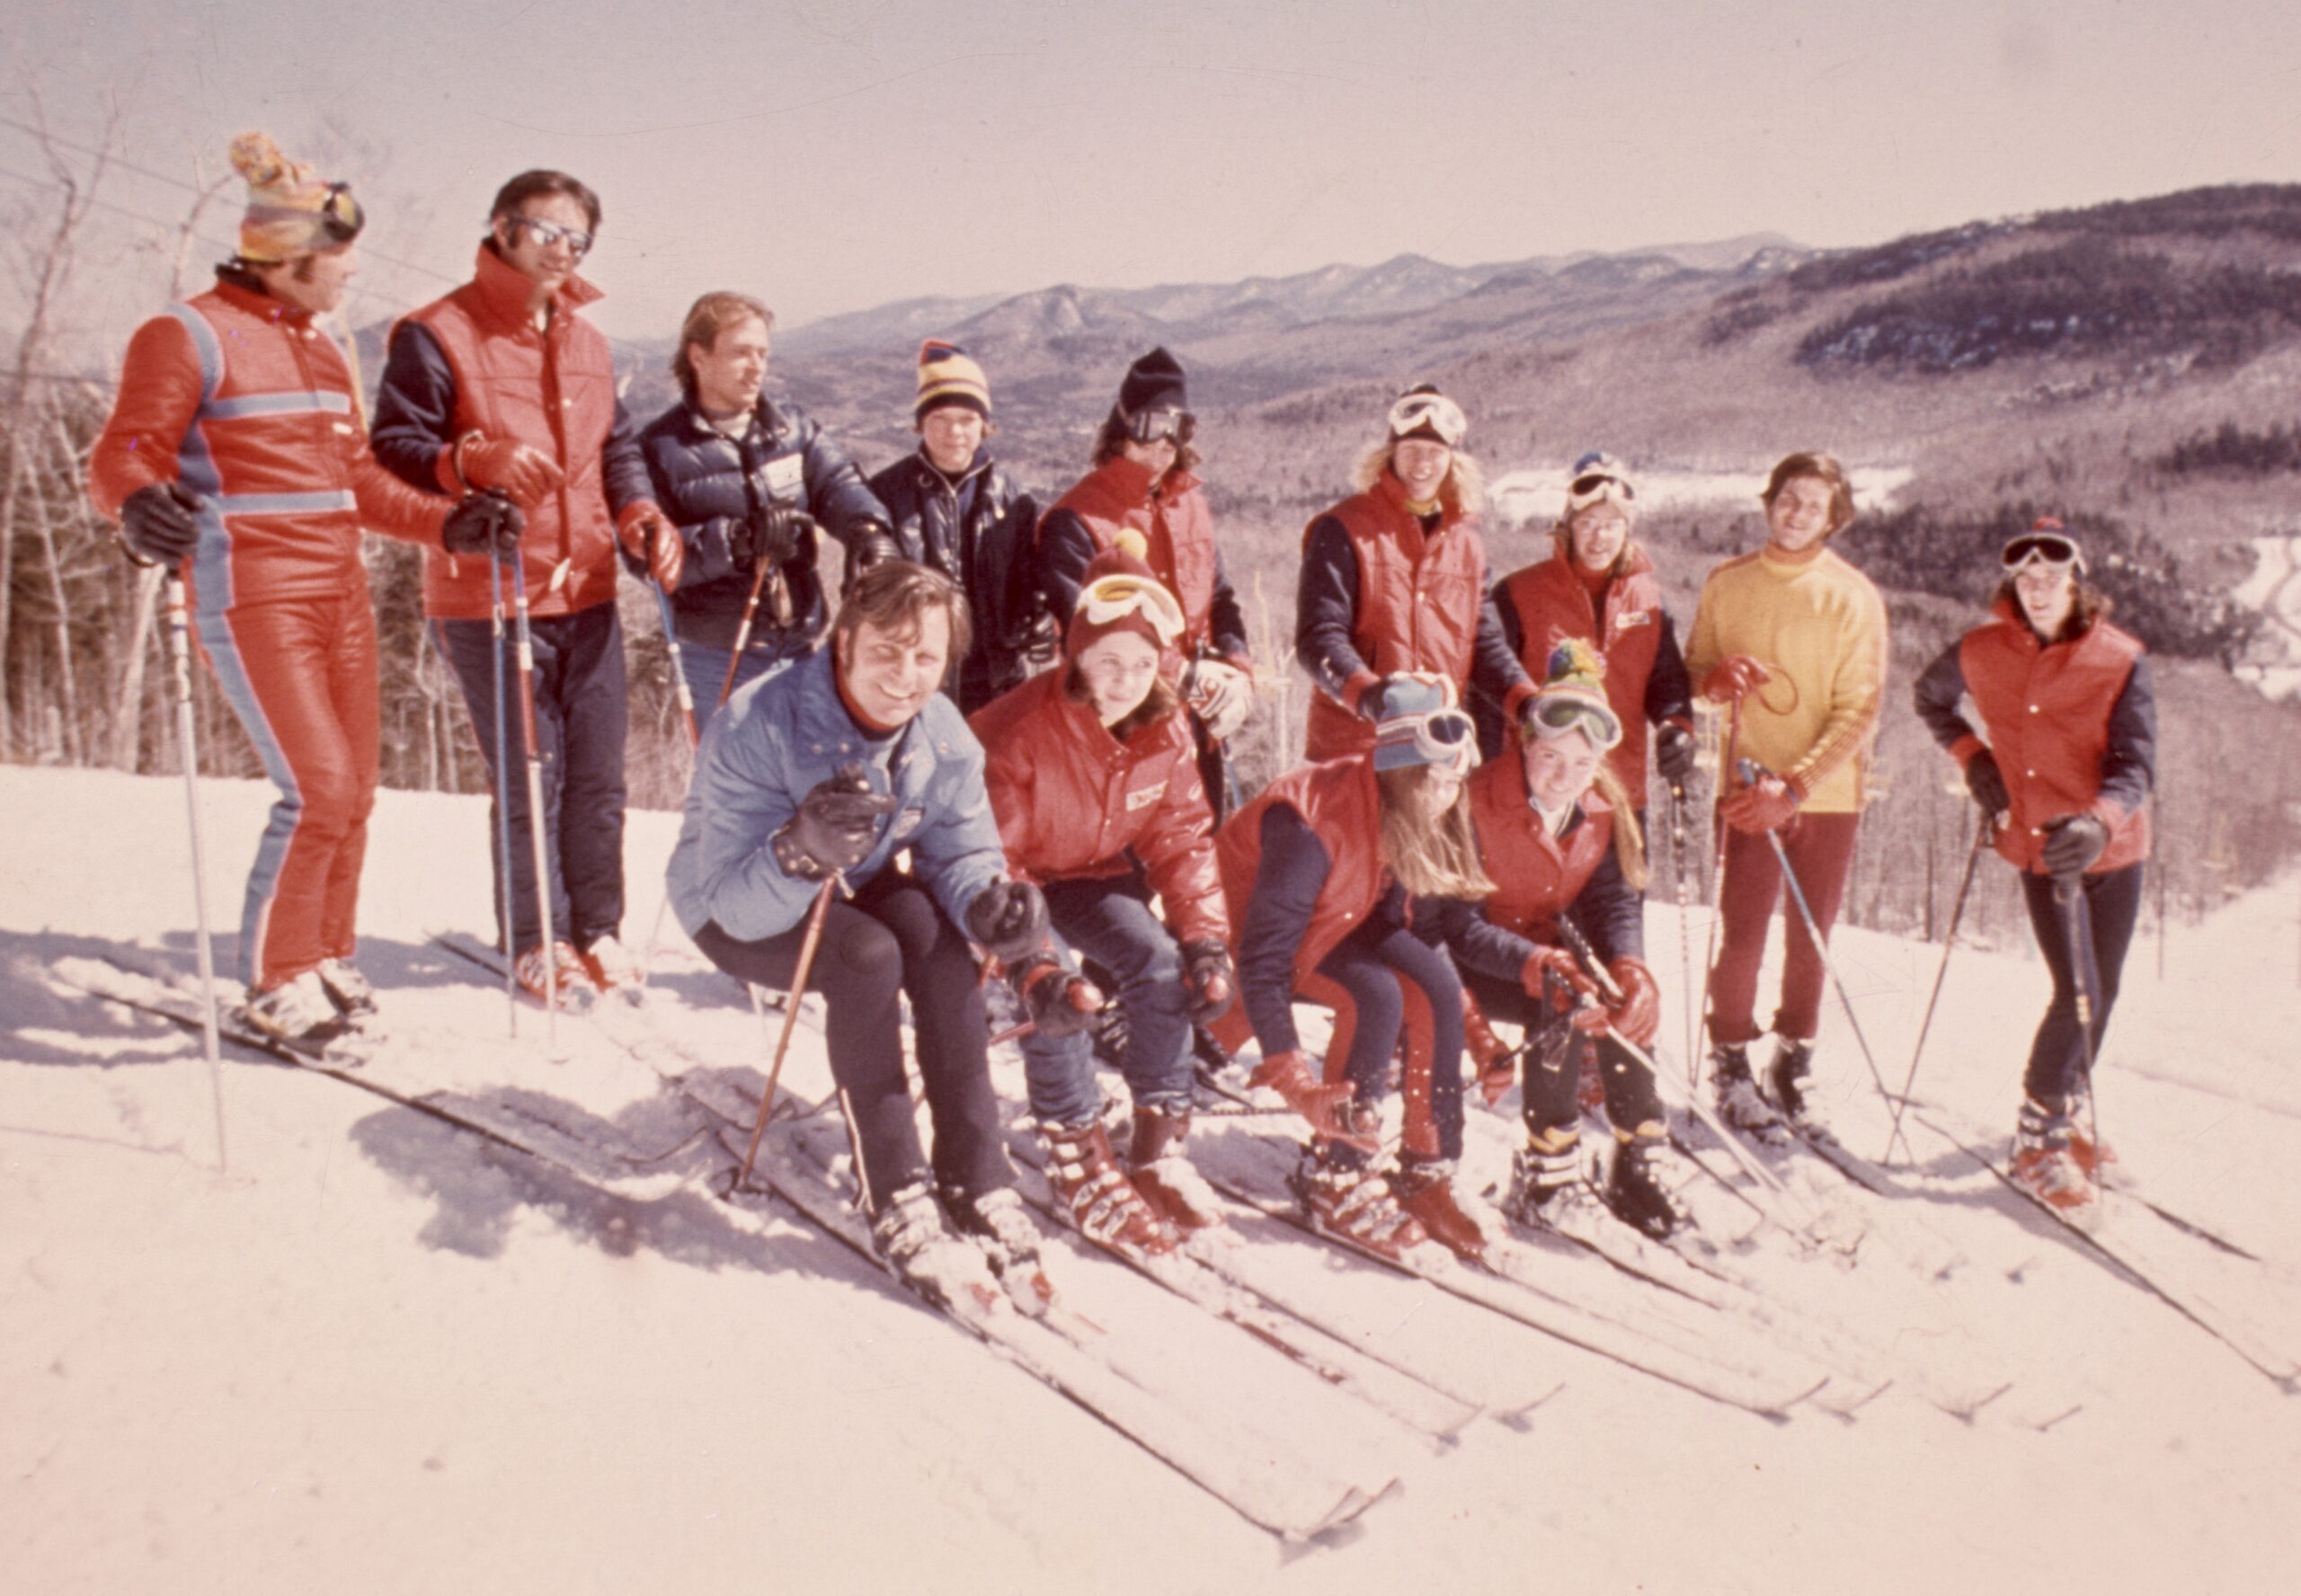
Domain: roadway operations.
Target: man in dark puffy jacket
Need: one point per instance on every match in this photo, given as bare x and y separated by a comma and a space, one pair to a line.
956, 509
749, 482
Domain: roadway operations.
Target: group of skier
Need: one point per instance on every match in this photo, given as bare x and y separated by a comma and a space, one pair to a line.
1006, 743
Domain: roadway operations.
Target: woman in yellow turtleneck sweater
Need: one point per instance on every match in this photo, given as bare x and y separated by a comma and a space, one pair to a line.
1793, 639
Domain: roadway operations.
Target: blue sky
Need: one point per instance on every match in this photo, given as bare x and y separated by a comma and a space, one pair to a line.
834, 154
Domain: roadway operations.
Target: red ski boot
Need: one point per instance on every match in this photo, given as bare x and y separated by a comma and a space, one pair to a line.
1095, 1195
1426, 1190
1168, 1181
1355, 1205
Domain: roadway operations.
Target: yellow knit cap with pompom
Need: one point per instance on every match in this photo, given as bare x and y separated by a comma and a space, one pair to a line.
292, 210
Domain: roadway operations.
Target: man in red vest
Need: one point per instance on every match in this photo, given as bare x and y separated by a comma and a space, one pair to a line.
234, 452
503, 385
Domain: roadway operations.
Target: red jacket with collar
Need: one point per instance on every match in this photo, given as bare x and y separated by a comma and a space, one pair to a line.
1535, 875
1178, 531
553, 390
1072, 800
241, 398
1342, 805
1553, 604
1418, 607
2048, 708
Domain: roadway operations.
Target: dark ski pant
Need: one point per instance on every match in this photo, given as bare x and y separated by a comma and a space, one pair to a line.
890, 938
1820, 847
300, 673
2111, 903
1109, 919
1551, 1088
581, 717
1381, 982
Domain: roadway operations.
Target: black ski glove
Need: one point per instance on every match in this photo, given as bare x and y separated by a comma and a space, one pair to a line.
1060, 1002
1674, 754
484, 523
1209, 978
1987, 786
872, 542
2073, 843
771, 533
160, 523
835, 827
1008, 919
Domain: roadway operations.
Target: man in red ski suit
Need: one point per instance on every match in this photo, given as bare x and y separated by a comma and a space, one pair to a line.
235, 451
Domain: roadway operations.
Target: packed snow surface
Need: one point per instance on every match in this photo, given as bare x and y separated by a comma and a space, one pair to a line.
377, 1354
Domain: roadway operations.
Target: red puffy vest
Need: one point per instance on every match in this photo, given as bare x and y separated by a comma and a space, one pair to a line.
1341, 803
1417, 604
2047, 709
1535, 875
1553, 604
1176, 527
553, 391
1071, 799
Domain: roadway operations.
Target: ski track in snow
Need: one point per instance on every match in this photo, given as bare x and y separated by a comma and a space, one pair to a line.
379, 1354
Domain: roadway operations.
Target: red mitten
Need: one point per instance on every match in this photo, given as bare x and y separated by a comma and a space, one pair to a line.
1768, 806
653, 541
526, 473
1736, 676
1637, 1012
1324, 1106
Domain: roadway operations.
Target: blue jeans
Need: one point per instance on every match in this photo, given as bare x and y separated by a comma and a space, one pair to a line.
580, 717
1108, 920
706, 670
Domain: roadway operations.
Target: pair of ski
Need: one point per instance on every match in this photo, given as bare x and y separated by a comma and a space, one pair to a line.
529, 1123
2184, 1264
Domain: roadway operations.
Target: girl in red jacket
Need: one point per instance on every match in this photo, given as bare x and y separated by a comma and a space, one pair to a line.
2071, 715
1556, 830
1094, 779
1318, 870
1599, 585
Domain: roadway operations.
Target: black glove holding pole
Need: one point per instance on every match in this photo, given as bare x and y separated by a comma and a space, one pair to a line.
836, 828
160, 524
484, 523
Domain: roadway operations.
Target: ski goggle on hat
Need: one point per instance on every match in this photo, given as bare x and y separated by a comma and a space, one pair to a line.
1445, 737
1108, 599
1597, 477
1165, 422
1426, 411
2044, 544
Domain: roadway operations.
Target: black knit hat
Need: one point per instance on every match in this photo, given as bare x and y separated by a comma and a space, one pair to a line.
1155, 382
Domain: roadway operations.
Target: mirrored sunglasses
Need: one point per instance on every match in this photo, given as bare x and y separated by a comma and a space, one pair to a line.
546, 233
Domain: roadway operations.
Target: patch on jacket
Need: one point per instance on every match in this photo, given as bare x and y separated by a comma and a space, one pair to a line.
1145, 798
787, 475
909, 820
1636, 617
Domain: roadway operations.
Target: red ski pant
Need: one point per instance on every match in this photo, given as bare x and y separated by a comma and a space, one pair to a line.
1386, 985
300, 673
1820, 847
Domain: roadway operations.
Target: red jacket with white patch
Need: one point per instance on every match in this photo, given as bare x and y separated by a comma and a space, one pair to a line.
1551, 604
1072, 801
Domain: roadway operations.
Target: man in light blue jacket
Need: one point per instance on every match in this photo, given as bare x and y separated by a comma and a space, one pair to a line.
829, 766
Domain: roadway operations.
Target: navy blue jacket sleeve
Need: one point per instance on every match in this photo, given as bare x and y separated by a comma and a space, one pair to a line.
1669, 691
1494, 667
1225, 620
1326, 607
1293, 868
623, 468
1066, 548
1938, 691
2129, 764
839, 499
1609, 912
416, 408
1477, 942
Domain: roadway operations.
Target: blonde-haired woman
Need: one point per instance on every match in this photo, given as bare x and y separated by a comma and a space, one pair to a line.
1394, 582
1556, 830
1318, 872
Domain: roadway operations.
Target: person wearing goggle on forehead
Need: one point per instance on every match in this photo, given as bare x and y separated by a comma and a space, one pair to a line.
1557, 833
235, 458
1318, 870
1599, 584
1790, 641
1093, 777
1392, 583
1145, 480
2069, 708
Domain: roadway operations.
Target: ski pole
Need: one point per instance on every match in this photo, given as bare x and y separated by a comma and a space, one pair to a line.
1750, 772
1685, 932
188, 740
2084, 974
526, 659
685, 696
502, 791
743, 635
799, 972
1948, 941
1717, 872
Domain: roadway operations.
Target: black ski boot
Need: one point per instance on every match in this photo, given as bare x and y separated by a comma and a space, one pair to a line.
1641, 1190
1792, 1077
1740, 1103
